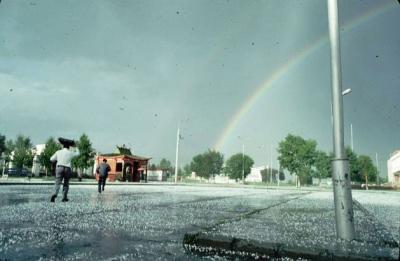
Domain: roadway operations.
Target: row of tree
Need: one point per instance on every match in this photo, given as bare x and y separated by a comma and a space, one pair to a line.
21, 148
296, 155
211, 163
302, 158
21, 152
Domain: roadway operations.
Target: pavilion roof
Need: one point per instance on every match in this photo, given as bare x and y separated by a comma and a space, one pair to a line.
135, 157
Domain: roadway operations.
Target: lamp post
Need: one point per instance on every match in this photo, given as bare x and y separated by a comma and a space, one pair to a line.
177, 155
341, 179
351, 137
243, 163
377, 168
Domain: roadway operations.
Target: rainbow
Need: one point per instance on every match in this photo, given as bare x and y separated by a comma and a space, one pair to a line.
284, 68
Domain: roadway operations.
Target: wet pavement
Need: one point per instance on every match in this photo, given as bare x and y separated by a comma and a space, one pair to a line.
149, 222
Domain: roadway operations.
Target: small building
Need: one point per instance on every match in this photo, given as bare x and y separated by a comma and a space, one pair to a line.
324, 182
393, 166
157, 175
36, 166
125, 166
223, 179
255, 174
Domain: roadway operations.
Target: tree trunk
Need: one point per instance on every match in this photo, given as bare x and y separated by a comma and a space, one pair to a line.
80, 174
366, 182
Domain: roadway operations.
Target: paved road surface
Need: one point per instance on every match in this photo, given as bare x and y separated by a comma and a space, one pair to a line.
149, 222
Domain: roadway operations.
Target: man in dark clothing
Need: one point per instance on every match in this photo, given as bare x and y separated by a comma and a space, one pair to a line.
103, 170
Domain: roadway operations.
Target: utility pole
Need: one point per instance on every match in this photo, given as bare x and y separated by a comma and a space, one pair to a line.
177, 155
340, 166
270, 161
243, 163
377, 168
279, 173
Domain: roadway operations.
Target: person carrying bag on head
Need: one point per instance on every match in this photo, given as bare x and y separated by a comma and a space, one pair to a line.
63, 158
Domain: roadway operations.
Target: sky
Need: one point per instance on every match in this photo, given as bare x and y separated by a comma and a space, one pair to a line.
230, 74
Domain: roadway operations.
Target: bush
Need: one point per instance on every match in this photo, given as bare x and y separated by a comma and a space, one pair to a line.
119, 177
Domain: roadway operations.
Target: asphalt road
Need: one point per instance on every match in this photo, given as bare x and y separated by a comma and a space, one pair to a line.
149, 222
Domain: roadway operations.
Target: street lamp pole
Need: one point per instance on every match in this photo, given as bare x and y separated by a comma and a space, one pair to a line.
177, 155
377, 168
340, 167
243, 163
351, 136
270, 161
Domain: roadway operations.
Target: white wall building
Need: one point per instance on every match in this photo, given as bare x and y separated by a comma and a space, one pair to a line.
36, 164
156, 175
393, 165
223, 179
255, 174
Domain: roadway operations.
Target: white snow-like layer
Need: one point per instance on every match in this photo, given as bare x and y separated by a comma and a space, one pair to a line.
148, 222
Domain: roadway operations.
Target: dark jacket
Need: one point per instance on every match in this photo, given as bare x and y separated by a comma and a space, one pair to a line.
103, 169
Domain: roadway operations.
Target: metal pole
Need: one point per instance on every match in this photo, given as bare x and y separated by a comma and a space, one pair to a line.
243, 163
279, 173
351, 136
340, 167
377, 168
177, 156
270, 161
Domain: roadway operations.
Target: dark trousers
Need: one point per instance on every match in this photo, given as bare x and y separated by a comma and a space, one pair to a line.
62, 173
102, 182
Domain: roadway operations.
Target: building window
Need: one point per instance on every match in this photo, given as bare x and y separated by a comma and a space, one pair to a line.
119, 167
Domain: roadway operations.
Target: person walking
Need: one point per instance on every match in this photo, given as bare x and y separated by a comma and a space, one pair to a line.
63, 159
103, 170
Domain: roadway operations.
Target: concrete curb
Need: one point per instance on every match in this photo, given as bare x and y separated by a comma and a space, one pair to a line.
35, 183
203, 244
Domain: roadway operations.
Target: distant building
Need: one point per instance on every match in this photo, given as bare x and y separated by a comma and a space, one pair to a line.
223, 179
393, 165
36, 167
156, 175
255, 174
325, 182
125, 166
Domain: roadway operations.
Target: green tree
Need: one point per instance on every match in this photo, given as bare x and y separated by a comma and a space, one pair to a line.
238, 166
199, 165
23, 156
267, 177
323, 167
186, 170
2, 144
165, 165
153, 167
281, 174
86, 154
8, 150
50, 148
216, 160
354, 167
297, 155
367, 169
207, 164
180, 173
